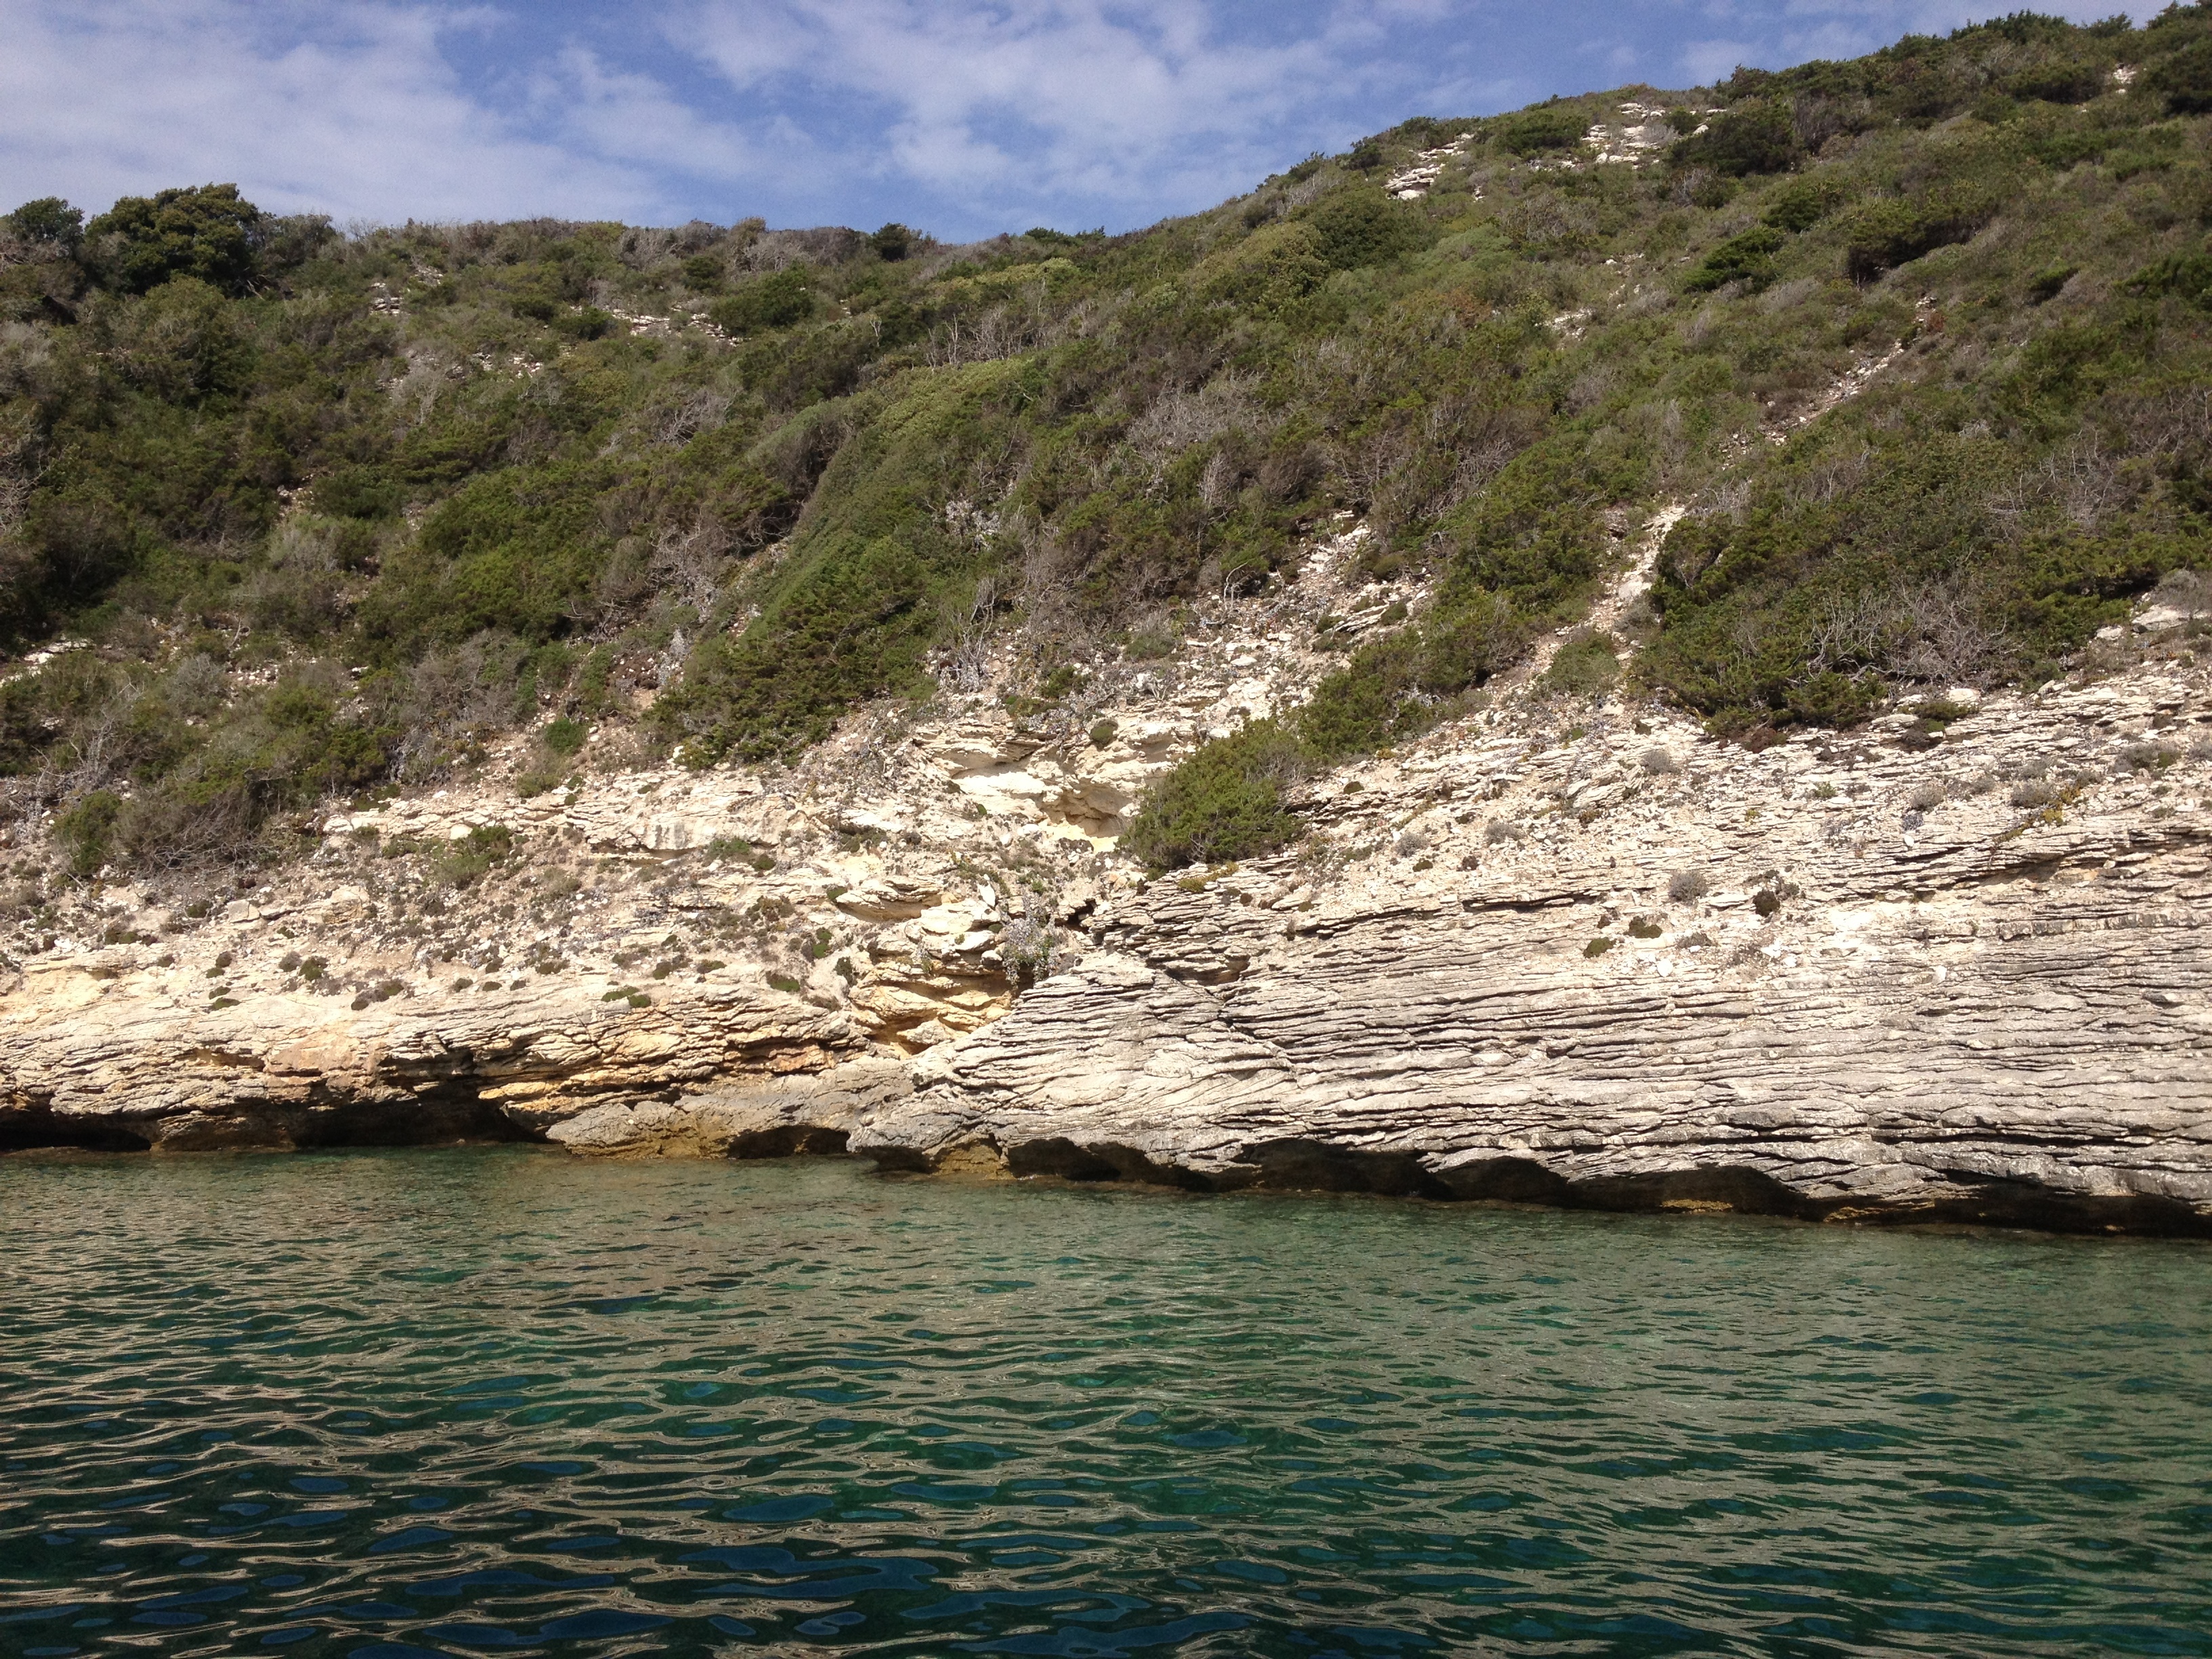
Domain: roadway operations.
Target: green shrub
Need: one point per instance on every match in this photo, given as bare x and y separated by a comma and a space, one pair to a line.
534, 781
1585, 667
853, 625
586, 323
357, 492
1362, 227
869, 584
1151, 641
2047, 283
2059, 82
1546, 127
1754, 138
515, 552
475, 855
1746, 258
1393, 687
2186, 276
1798, 204
2184, 78
1267, 270
564, 736
765, 303
1879, 235
1225, 802
208, 231
87, 829
48, 221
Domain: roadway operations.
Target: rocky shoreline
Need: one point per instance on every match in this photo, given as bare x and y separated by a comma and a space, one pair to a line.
1949, 967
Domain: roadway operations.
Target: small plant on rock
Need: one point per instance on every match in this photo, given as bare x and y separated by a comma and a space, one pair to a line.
564, 736
475, 855
1585, 667
86, 831
1027, 948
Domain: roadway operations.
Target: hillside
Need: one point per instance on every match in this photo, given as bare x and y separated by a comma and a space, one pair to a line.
1642, 651
1919, 340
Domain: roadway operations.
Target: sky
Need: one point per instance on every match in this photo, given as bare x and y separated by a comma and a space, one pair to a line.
962, 119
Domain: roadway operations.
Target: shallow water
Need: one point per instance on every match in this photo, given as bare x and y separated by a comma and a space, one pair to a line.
496, 1400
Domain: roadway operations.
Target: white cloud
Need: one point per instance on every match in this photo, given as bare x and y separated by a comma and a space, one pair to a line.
1039, 98
1774, 35
351, 110
962, 115
628, 117
1706, 61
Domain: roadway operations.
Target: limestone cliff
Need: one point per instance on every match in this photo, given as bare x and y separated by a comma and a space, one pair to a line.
1950, 965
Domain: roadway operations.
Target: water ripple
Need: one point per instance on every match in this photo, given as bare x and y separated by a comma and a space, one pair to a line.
499, 1402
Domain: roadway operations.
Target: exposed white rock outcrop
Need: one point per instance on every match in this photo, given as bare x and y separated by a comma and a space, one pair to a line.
1953, 965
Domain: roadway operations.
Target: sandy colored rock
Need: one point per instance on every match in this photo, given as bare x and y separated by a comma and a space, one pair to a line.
1947, 968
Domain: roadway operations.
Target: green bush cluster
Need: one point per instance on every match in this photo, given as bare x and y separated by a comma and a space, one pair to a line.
765, 304
334, 511
1225, 802
474, 856
1546, 127
1884, 234
1749, 258
1756, 136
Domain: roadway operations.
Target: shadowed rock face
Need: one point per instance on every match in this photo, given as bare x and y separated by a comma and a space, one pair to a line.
1858, 976
1434, 1076
88, 1065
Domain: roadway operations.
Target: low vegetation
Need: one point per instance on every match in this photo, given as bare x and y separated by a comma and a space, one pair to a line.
286, 514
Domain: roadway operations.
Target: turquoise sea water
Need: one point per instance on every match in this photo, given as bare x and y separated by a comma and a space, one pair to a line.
500, 1401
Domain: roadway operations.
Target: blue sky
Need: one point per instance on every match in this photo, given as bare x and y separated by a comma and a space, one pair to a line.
961, 119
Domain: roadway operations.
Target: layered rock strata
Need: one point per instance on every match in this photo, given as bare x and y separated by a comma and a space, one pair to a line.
1951, 966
